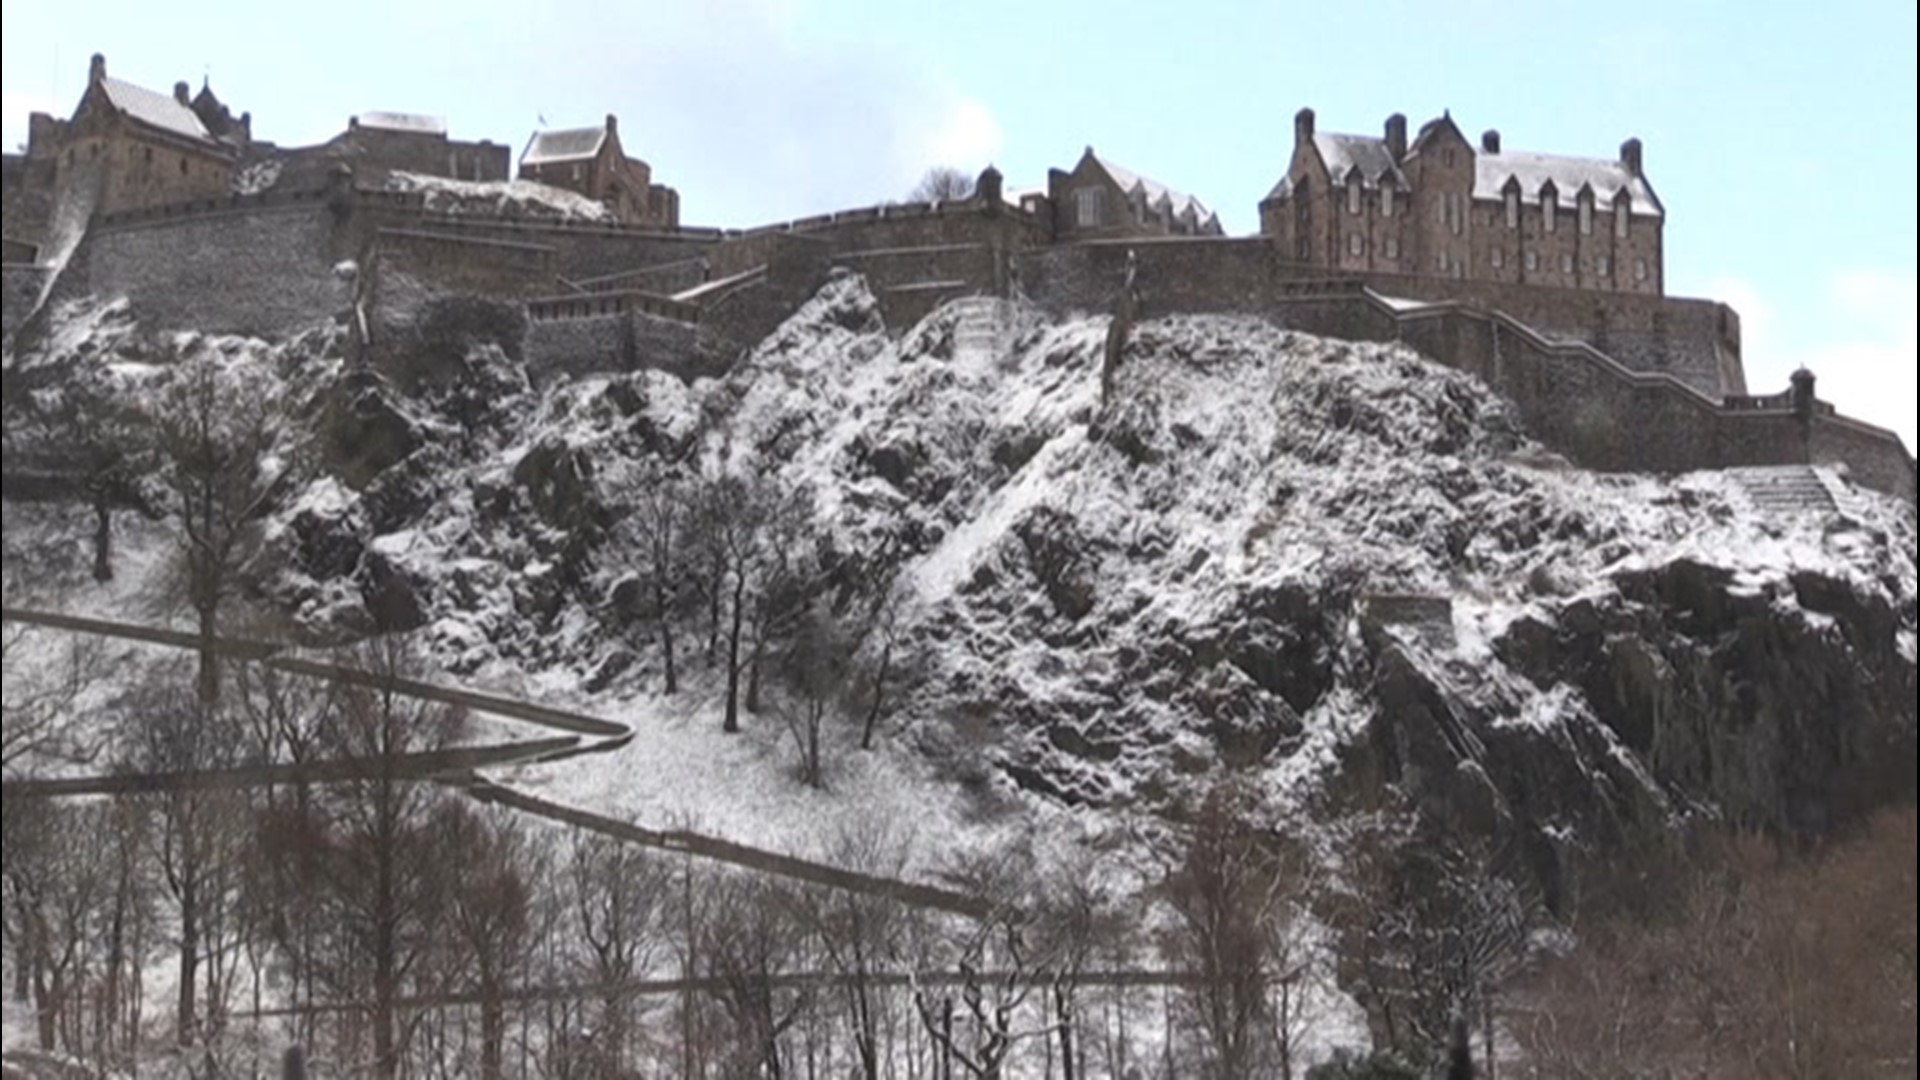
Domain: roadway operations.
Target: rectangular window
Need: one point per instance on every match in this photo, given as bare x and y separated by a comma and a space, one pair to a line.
1605, 266
1533, 260
1620, 213
1513, 209
1356, 244
1566, 264
1353, 197
1088, 210
1393, 247
1499, 258
1547, 208
1586, 217
1639, 269
1386, 200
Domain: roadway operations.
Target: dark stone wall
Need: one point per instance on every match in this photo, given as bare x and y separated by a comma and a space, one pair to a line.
1868, 452
581, 251
260, 270
462, 264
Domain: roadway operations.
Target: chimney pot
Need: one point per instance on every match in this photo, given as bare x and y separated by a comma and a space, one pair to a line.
1630, 156
1397, 135
97, 69
1303, 125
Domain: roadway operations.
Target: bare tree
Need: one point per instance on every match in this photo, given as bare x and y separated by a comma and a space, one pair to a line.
491, 914
860, 936
385, 875
942, 183
660, 522
217, 432
1236, 891
1001, 960
37, 705
748, 529
620, 897
752, 936
816, 671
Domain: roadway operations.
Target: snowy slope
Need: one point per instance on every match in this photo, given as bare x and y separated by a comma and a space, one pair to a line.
1108, 605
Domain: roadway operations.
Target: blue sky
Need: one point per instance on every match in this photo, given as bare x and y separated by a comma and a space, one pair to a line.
1781, 137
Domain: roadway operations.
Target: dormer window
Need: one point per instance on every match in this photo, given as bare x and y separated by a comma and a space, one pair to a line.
1513, 208
1548, 206
1353, 194
1620, 215
1586, 213
1386, 200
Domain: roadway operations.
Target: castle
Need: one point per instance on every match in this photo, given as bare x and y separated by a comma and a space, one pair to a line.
1541, 274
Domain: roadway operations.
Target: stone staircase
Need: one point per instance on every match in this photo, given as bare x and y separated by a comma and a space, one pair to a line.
979, 329
1788, 489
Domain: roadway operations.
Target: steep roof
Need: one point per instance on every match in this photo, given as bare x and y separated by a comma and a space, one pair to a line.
1569, 175
574, 144
1344, 153
154, 109
399, 121
1178, 203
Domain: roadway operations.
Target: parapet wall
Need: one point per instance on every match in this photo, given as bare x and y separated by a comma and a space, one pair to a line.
262, 268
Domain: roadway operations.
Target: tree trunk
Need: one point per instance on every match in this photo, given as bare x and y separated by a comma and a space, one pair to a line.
207, 684
666, 636
1063, 1008
184, 1024
875, 707
493, 1034
102, 538
732, 726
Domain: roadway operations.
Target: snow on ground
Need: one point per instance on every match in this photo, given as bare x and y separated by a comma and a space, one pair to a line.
500, 198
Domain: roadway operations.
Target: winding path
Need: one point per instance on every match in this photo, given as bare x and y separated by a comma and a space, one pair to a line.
580, 735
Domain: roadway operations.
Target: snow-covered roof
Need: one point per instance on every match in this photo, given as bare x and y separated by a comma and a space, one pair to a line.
1569, 175
154, 109
573, 144
399, 121
1367, 153
1177, 203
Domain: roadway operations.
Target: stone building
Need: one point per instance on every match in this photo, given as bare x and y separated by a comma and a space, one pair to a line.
127, 147
378, 144
1098, 199
591, 162
1440, 206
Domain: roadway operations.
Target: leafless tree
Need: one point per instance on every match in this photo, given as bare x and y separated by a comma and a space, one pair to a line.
37, 703
860, 936
751, 936
942, 183
197, 838
384, 874
491, 913
1237, 892
621, 896
816, 672
747, 528
217, 435
1001, 958
660, 517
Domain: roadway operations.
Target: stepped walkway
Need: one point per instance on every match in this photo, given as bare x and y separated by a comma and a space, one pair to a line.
1788, 489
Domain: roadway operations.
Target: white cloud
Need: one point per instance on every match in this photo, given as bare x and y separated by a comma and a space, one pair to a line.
965, 136
1857, 338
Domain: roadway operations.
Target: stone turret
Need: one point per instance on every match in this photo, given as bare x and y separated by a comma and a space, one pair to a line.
990, 187
1802, 394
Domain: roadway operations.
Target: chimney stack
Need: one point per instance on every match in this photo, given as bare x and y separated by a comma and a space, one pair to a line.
1490, 141
1397, 135
613, 124
1630, 156
1303, 126
181, 94
97, 70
